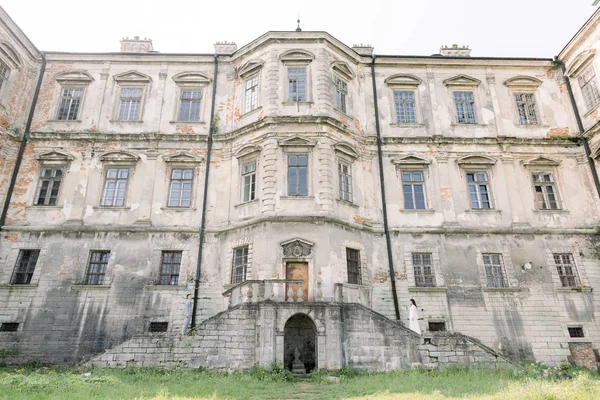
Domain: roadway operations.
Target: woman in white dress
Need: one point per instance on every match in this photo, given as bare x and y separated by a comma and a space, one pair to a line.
413, 317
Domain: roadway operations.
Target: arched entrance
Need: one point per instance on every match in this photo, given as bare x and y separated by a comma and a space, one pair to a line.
300, 333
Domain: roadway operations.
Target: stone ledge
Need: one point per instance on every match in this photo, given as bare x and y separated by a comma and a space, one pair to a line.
582, 289
164, 287
10, 287
505, 289
89, 287
427, 289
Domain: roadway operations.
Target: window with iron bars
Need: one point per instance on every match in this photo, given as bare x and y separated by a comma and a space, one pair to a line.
297, 84
567, 270
170, 264
526, 108
50, 180
96, 270
25, 266
575, 331
494, 270
546, 196
465, 108
189, 105
130, 104
180, 189
70, 101
239, 265
404, 103
252, 94
353, 266
345, 175
589, 87
423, 267
4, 75
341, 94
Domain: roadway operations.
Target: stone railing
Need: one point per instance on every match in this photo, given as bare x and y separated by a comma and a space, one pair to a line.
254, 291
349, 293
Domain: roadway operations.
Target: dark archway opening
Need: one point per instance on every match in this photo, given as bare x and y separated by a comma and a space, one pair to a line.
300, 333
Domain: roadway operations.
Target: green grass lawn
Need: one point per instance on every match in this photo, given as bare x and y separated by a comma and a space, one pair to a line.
50, 383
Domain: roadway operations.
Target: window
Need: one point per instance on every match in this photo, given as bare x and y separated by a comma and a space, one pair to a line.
24, 267
252, 94
589, 87
526, 108
465, 107
297, 83
50, 179
404, 103
170, 263
298, 175
353, 265
70, 100
575, 331
479, 193
437, 326
341, 93
9, 327
4, 75
546, 196
115, 187
567, 271
97, 267
423, 267
240, 265
180, 189
345, 173
130, 104
413, 187
494, 270
189, 105
249, 181
156, 327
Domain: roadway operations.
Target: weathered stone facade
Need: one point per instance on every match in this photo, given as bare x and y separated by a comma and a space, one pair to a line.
293, 217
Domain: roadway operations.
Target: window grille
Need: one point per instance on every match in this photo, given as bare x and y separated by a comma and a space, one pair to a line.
404, 102
465, 107
413, 187
96, 270
297, 83
180, 188
50, 180
130, 104
546, 196
240, 265
4, 75
24, 267
189, 105
567, 271
353, 265
423, 267
341, 93
589, 87
298, 175
252, 94
156, 327
70, 102
345, 175
575, 332
249, 181
9, 327
115, 187
170, 264
479, 193
526, 108
494, 270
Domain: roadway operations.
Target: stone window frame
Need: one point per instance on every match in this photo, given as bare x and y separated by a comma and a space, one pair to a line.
464, 83
52, 159
404, 83
244, 155
529, 85
414, 163
131, 80
9, 57
543, 164
298, 145
364, 267
184, 267
11, 260
579, 266
582, 64
512, 283
118, 159
190, 81
341, 77
292, 59
236, 244
478, 163
182, 160
74, 79
346, 154
409, 249
250, 70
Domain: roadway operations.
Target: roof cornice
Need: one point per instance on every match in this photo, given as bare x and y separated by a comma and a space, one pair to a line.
13, 29
572, 45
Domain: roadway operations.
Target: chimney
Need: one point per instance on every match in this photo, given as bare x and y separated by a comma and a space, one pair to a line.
363, 49
455, 51
136, 45
225, 48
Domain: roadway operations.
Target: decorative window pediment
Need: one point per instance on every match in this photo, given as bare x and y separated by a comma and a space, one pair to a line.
76, 77
462, 80
297, 141
183, 158
541, 161
250, 68
55, 155
403, 80
191, 78
119, 156
10, 55
297, 248
410, 160
248, 150
580, 61
346, 149
476, 160
132, 77
523, 82
297, 55
343, 69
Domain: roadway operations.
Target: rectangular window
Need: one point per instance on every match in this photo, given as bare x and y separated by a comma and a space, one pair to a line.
567, 271
546, 196
115, 187
50, 179
404, 103
298, 175
297, 83
249, 181
189, 105
170, 263
130, 104
180, 188
251, 94
437, 326
4, 75
345, 174
70, 100
494, 270
576, 331
413, 187
423, 267
156, 327
240, 265
589, 87
526, 108
97, 267
24, 267
479, 193
353, 265
465, 107
341, 93
9, 327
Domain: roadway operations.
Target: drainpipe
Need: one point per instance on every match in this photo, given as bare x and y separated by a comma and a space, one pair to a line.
15, 174
204, 199
586, 145
383, 201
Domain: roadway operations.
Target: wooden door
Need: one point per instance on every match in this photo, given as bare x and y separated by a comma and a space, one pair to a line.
297, 270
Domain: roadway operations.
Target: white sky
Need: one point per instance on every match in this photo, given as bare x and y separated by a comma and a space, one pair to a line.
504, 28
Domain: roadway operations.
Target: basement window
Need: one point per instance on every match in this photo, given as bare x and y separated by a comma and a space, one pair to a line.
437, 326
575, 332
9, 327
158, 327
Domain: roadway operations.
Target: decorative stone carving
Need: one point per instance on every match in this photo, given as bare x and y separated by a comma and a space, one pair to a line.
297, 248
